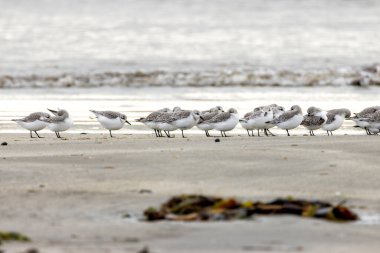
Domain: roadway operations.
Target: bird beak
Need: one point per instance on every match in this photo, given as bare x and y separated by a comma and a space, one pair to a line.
201, 118
53, 111
128, 122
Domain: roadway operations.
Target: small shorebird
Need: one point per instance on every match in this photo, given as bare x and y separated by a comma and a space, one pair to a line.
164, 123
111, 120
218, 108
314, 119
33, 122
225, 121
365, 113
244, 122
151, 120
257, 119
184, 119
289, 119
373, 121
58, 123
335, 119
207, 115
277, 111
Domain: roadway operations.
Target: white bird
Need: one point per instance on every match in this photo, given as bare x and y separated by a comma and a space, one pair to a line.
207, 115
277, 111
314, 119
58, 123
33, 122
152, 122
164, 123
365, 113
225, 121
184, 119
111, 120
257, 119
335, 119
373, 121
289, 119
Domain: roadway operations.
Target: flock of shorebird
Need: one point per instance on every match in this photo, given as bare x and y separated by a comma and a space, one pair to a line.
261, 118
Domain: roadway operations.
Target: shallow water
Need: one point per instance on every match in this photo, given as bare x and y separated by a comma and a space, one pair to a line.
139, 102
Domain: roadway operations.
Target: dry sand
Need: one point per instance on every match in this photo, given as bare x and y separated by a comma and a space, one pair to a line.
71, 195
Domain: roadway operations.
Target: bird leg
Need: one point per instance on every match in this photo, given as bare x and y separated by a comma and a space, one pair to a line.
168, 134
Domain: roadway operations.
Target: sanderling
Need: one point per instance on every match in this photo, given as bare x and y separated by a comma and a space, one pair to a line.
111, 120
289, 119
373, 122
225, 121
365, 113
277, 111
164, 123
207, 115
58, 123
335, 119
244, 121
184, 119
177, 109
151, 120
33, 122
257, 119
213, 109
314, 119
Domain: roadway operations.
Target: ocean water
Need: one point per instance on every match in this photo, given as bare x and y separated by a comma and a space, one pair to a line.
119, 43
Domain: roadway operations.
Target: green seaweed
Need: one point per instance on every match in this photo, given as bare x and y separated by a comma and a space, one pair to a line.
12, 236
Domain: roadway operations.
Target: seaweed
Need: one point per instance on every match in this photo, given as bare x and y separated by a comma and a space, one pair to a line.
12, 236
210, 208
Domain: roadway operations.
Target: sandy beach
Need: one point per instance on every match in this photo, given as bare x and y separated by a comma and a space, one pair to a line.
87, 193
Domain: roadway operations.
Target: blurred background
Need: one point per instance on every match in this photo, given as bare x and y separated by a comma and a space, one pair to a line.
137, 55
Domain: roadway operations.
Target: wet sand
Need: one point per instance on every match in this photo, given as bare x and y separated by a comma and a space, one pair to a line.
70, 195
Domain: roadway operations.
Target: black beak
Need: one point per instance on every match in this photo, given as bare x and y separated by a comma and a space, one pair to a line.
201, 118
128, 122
53, 111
